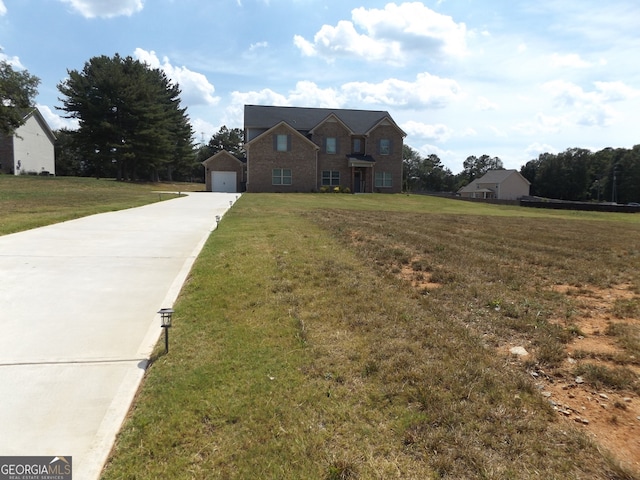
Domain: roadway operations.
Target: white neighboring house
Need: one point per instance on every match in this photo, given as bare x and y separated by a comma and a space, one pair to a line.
497, 184
31, 149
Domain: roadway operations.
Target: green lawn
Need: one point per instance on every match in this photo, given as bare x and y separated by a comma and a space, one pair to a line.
357, 336
32, 201
301, 349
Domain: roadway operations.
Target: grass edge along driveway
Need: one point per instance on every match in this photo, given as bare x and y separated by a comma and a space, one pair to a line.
291, 357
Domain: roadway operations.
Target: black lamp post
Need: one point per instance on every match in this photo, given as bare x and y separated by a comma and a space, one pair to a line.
165, 317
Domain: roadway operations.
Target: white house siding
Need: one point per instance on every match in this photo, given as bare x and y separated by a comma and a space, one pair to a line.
33, 148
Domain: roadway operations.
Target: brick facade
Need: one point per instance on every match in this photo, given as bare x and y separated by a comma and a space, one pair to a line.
391, 163
263, 157
225, 162
307, 156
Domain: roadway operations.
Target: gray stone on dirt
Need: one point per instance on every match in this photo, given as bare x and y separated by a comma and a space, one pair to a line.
519, 351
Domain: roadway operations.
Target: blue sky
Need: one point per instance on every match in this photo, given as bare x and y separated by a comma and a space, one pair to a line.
506, 78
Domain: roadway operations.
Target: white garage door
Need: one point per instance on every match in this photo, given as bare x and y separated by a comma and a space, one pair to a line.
223, 182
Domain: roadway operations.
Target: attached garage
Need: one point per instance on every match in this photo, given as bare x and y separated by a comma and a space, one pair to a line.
224, 182
225, 173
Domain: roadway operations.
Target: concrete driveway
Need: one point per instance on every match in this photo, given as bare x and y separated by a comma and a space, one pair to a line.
78, 303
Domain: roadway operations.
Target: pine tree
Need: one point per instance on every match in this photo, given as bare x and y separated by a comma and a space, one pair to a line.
131, 122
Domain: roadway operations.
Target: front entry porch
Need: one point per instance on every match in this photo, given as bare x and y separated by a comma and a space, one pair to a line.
361, 174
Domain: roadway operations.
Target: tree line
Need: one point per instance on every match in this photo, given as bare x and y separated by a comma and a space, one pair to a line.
611, 175
577, 174
428, 174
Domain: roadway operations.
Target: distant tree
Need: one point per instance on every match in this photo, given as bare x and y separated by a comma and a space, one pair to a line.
425, 174
130, 119
411, 161
229, 139
628, 176
529, 171
436, 177
476, 167
18, 89
69, 160
580, 175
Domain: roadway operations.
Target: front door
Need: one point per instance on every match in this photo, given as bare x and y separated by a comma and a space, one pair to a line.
358, 182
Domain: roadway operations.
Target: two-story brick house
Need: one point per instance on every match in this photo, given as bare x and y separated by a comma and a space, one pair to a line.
291, 149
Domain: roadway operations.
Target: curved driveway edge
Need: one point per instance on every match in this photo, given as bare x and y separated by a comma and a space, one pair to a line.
78, 322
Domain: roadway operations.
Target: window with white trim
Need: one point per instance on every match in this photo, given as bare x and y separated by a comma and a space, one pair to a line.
383, 180
330, 178
281, 176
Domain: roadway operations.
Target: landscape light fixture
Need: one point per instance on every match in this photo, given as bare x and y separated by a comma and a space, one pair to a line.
231, 203
165, 318
217, 219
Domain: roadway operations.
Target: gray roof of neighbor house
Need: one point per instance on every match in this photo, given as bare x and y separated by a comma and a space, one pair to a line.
305, 119
497, 176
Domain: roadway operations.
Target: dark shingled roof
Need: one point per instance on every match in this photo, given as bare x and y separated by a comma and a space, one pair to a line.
304, 119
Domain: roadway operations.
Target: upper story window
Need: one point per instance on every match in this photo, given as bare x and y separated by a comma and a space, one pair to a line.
357, 145
331, 145
282, 143
385, 146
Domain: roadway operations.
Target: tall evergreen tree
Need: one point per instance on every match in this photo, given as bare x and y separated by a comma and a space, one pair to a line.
130, 120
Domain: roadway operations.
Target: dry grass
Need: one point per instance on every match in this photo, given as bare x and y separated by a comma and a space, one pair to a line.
302, 350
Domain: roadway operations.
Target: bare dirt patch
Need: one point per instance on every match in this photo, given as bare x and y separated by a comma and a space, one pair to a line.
611, 416
418, 279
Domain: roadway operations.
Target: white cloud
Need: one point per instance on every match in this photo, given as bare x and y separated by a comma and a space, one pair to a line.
55, 121
535, 149
448, 157
498, 132
589, 108
389, 35
3, 9
427, 91
485, 104
344, 40
571, 60
305, 94
257, 46
438, 132
13, 61
195, 88
616, 91
203, 130
309, 94
542, 124
105, 8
